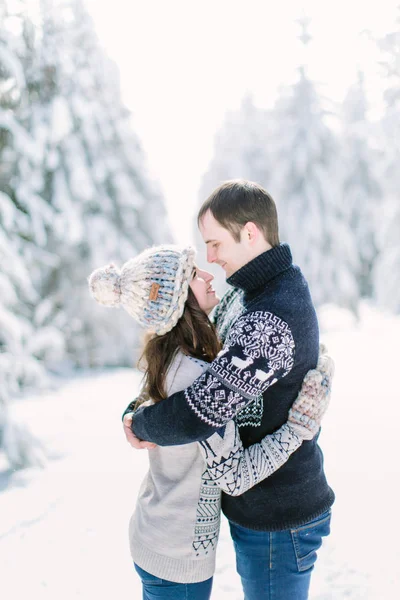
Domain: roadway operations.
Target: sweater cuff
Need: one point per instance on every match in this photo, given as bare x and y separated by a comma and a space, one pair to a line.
129, 408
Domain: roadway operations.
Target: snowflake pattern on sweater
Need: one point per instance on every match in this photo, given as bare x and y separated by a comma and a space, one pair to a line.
258, 350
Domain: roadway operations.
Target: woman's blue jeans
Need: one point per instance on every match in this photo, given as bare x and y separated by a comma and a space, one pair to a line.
277, 565
155, 588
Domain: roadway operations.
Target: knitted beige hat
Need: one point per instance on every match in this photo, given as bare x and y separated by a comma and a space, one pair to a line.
152, 287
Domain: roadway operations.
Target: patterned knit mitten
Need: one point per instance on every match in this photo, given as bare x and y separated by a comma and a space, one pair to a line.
307, 411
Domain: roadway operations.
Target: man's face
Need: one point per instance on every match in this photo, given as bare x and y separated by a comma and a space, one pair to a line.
222, 249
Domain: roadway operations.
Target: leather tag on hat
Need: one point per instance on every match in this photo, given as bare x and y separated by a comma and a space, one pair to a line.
154, 291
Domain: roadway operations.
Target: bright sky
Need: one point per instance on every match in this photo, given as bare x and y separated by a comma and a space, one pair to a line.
184, 63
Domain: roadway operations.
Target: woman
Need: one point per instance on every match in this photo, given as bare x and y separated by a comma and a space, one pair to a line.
174, 529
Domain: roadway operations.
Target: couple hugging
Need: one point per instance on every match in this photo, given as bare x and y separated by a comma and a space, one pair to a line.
230, 409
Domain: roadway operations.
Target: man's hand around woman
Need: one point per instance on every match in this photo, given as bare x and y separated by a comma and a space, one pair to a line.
131, 437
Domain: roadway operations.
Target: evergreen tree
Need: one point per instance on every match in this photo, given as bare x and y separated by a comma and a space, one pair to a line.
25, 349
24, 215
240, 148
96, 179
240, 152
306, 186
74, 194
387, 289
361, 188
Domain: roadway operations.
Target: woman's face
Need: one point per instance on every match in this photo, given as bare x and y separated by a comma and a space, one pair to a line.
202, 288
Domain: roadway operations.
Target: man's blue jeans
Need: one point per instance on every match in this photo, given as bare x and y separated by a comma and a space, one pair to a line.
277, 565
155, 588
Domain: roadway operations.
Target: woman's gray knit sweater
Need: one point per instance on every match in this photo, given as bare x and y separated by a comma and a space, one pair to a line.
174, 529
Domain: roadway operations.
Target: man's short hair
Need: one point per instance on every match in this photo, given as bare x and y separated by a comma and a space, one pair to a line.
236, 202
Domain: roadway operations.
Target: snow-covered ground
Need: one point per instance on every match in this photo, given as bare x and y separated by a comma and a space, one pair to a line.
63, 530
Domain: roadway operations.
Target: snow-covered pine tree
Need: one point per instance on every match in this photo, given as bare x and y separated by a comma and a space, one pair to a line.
306, 186
24, 348
96, 179
240, 152
25, 215
361, 188
75, 194
240, 148
386, 275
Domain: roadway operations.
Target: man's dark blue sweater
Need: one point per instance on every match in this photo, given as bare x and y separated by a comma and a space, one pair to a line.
267, 352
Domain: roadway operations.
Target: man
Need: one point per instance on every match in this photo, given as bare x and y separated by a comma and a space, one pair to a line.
270, 333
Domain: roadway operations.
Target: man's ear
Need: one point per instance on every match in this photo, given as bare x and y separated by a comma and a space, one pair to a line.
251, 232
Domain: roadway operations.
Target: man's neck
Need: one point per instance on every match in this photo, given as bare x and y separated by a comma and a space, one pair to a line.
260, 249
265, 266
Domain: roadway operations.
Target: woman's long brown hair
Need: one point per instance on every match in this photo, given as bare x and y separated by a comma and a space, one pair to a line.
194, 335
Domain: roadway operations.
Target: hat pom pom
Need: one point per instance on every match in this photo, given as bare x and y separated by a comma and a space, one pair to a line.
105, 285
